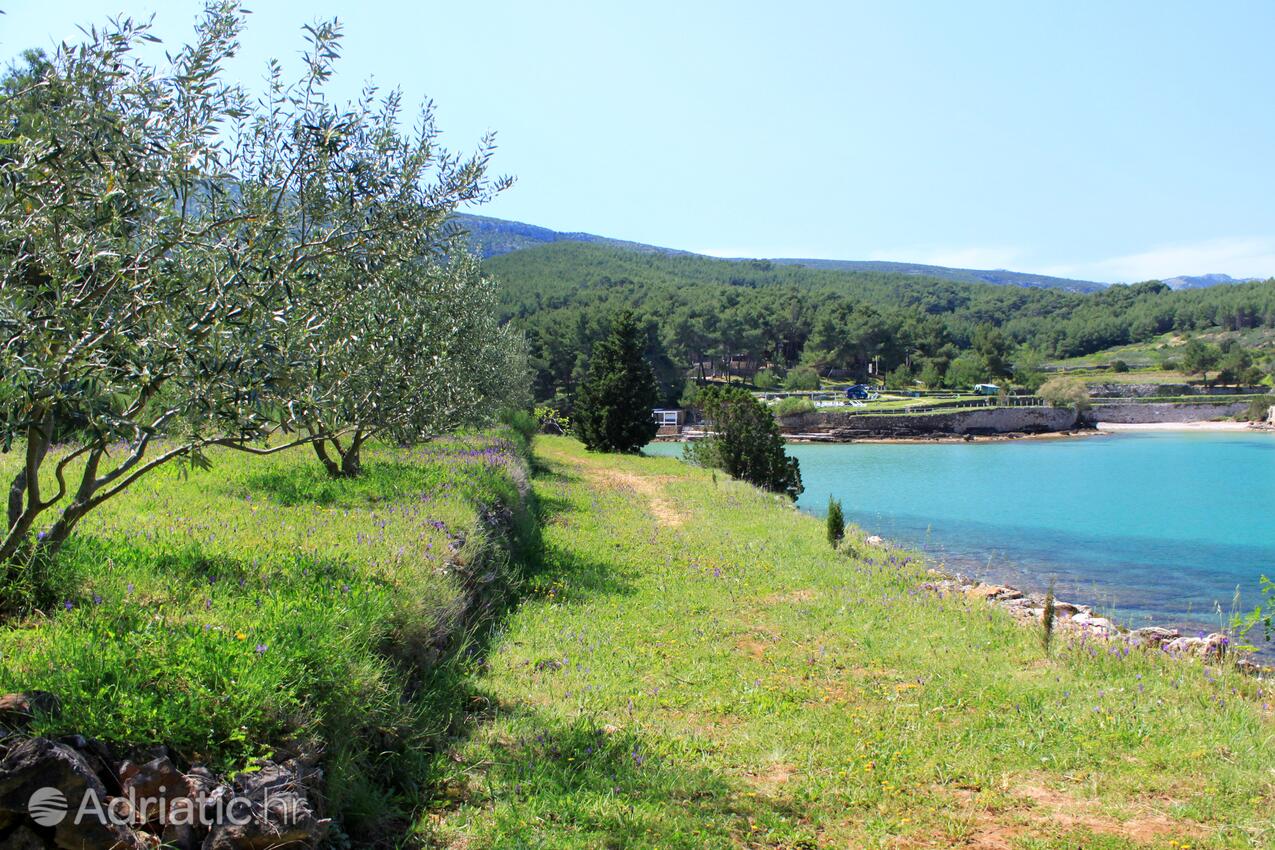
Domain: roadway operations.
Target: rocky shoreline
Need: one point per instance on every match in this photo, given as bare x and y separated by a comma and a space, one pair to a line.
1100, 430
1080, 621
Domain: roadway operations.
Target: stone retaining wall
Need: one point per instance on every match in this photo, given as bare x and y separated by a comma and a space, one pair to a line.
1118, 390
844, 425
1164, 412
981, 421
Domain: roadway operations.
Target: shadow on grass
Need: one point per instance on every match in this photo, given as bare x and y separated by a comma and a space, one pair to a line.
192, 563
555, 571
309, 484
614, 788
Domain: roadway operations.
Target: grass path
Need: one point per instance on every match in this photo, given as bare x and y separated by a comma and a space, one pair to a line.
695, 668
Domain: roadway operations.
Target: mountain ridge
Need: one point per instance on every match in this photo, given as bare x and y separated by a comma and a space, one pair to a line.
493, 237
1203, 281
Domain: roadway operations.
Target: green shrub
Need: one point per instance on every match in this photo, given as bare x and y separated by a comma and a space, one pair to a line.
802, 378
836, 522
1259, 408
551, 420
1119, 366
523, 422
744, 441
765, 379
1065, 392
794, 406
902, 378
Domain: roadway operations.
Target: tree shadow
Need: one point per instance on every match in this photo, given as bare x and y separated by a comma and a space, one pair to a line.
610, 787
309, 484
192, 564
553, 570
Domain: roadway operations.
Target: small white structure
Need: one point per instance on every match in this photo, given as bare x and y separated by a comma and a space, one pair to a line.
669, 419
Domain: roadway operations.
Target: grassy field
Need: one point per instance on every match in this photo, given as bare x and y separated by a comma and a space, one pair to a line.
1144, 358
698, 670
260, 605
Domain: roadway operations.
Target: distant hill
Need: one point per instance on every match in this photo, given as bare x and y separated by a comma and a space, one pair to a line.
999, 277
492, 237
495, 237
1204, 280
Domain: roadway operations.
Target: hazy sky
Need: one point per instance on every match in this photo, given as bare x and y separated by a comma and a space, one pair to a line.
1111, 141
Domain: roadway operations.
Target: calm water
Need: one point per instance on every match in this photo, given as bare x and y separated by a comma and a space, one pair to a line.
1152, 527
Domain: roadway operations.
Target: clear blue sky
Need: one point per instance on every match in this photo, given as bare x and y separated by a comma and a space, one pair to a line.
1112, 141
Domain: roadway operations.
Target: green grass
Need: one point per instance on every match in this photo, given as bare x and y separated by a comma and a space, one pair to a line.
700, 670
230, 612
1141, 355
1144, 358
691, 667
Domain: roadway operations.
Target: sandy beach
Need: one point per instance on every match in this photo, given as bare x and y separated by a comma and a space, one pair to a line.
1175, 426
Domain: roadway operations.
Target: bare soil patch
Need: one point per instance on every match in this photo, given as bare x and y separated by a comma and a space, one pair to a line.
648, 486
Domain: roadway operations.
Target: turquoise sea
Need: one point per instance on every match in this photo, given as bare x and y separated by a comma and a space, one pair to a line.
1159, 527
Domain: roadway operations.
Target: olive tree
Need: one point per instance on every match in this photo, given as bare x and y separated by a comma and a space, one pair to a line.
427, 355
123, 316
172, 256
182, 266
405, 342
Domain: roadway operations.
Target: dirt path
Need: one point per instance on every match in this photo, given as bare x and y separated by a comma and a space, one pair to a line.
721, 678
648, 487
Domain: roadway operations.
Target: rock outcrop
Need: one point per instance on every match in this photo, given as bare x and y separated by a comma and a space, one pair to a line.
77, 794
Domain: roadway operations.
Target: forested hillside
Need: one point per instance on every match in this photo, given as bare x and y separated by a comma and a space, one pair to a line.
491, 237
997, 276
756, 314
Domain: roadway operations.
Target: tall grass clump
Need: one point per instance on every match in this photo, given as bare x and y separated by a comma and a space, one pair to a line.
1047, 619
522, 423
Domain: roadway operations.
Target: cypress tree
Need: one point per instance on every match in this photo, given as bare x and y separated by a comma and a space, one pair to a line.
614, 403
836, 522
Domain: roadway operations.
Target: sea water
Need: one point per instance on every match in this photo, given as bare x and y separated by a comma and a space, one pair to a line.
1165, 527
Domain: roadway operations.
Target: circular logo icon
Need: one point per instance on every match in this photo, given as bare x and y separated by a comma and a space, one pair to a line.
47, 806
